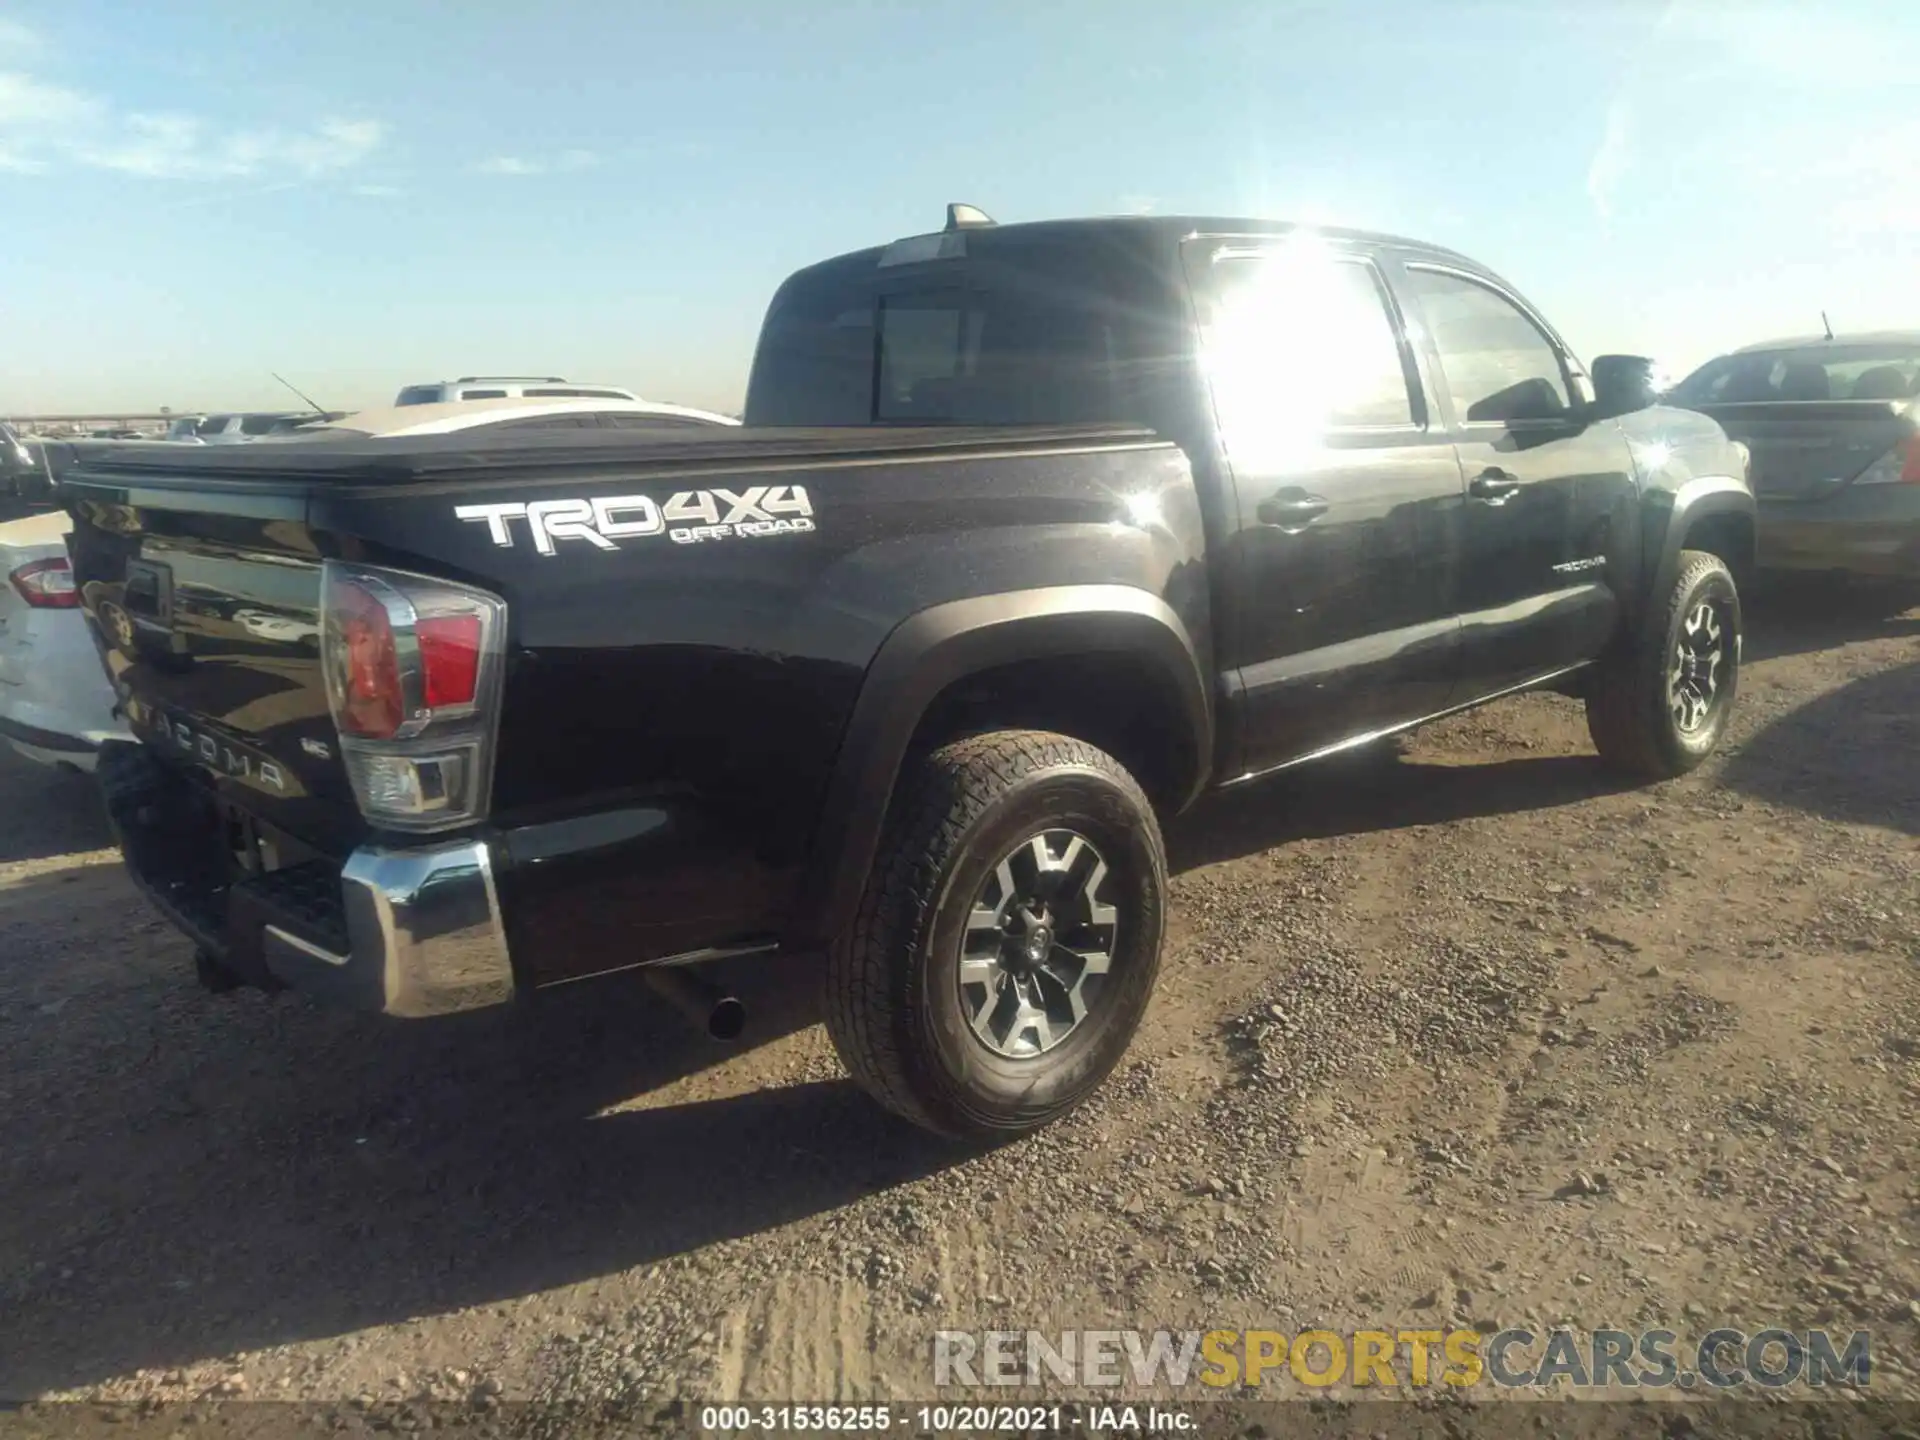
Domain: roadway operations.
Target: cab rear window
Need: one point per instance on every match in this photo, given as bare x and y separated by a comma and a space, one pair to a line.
1037, 336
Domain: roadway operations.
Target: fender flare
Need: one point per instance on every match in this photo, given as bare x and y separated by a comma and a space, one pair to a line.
1700, 497
931, 650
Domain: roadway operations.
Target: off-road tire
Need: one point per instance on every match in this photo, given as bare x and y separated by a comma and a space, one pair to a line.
1628, 710
894, 1007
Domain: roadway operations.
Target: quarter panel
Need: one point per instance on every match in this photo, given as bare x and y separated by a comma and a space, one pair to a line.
714, 680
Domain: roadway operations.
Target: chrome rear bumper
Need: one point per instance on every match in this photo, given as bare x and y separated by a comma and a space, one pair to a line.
409, 932
423, 934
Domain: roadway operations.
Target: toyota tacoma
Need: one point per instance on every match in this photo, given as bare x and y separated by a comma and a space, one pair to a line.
1033, 535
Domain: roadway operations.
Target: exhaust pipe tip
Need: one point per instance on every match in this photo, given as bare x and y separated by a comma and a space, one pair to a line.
721, 1015
728, 1019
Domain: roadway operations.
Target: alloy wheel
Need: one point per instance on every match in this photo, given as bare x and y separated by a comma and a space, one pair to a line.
1695, 676
1038, 945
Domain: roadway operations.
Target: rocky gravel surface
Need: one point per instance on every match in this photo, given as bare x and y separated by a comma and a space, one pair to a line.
1457, 1032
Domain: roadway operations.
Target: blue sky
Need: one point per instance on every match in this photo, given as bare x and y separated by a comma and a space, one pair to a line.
361, 195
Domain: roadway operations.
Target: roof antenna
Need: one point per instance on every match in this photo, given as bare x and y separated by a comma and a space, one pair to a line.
967, 217
301, 393
1828, 323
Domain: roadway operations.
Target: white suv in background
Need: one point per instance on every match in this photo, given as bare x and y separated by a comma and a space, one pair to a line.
508, 387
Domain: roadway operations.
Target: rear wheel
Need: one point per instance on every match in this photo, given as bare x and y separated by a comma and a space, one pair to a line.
1661, 700
1009, 937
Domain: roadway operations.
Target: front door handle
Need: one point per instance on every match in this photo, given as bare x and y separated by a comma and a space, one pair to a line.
1291, 509
1494, 486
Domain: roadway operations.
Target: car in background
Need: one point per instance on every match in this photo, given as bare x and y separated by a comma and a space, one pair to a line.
1833, 424
16, 462
235, 428
26, 477
56, 703
508, 387
509, 415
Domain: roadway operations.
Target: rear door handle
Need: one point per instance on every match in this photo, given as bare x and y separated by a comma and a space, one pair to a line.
1494, 486
1291, 509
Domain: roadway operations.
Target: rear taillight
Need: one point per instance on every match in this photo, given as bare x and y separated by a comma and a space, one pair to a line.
47, 585
412, 669
1899, 466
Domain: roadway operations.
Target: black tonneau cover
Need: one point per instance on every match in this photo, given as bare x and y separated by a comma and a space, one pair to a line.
429, 456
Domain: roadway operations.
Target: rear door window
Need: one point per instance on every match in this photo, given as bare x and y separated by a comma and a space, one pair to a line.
1302, 341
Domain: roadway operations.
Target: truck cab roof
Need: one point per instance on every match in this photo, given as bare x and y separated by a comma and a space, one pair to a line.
1075, 321
1162, 233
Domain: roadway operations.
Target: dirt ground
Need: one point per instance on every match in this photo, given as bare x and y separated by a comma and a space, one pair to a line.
1458, 1033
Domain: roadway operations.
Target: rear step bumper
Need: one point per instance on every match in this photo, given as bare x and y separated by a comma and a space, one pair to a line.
411, 932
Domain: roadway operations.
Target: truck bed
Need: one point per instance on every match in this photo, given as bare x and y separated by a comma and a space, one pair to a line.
485, 455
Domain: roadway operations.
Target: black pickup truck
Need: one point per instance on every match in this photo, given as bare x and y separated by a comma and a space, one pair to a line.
1033, 535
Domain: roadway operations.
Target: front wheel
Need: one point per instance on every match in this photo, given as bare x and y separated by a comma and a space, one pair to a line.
1009, 937
1660, 702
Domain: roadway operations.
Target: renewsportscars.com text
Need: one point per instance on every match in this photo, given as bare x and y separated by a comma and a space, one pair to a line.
1720, 1359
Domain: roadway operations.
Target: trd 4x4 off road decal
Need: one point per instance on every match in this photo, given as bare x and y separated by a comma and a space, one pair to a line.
689, 518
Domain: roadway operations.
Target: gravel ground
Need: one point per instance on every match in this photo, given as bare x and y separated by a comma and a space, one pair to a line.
1455, 1032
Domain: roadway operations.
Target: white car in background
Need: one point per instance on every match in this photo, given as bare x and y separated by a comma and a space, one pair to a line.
56, 705
237, 428
507, 416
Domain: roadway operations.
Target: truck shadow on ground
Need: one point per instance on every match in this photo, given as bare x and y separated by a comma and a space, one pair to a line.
1371, 791
47, 812
239, 1172
1795, 617
1852, 754
1805, 760
184, 1177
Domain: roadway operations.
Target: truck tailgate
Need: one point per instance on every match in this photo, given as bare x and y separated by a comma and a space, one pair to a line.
204, 601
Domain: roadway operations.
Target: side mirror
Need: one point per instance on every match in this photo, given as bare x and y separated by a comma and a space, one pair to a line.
1623, 384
